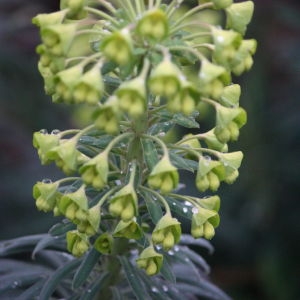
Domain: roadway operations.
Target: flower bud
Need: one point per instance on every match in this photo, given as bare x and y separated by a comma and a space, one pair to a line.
90, 222
132, 96
239, 16
77, 243
167, 232
58, 38
214, 181
129, 230
124, 203
153, 25
212, 79
95, 171
45, 142
165, 79
104, 243
150, 260
45, 195
231, 162
214, 143
89, 88
118, 47
107, 116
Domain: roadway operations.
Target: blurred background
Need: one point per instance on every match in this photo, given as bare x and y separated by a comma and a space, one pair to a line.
258, 242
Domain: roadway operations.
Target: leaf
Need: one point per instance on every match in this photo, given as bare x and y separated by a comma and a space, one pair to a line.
189, 240
153, 207
150, 153
133, 279
112, 81
46, 241
160, 127
98, 141
167, 273
181, 163
179, 208
53, 281
182, 120
32, 292
61, 228
116, 293
86, 268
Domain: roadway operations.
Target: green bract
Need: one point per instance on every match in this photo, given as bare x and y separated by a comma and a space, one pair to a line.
150, 260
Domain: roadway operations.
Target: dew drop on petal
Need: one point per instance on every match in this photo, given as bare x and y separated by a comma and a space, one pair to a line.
161, 134
47, 181
174, 203
154, 289
171, 252
158, 247
55, 131
44, 131
187, 203
185, 210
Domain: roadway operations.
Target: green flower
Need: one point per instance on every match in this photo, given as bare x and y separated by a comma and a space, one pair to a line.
164, 176
104, 243
46, 195
212, 79
129, 230
204, 223
95, 171
118, 47
165, 79
153, 25
124, 203
89, 88
74, 8
44, 20
231, 95
58, 38
106, 117
150, 260
239, 16
77, 243
167, 232
231, 162
44, 143
132, 97
213, 143
90, 224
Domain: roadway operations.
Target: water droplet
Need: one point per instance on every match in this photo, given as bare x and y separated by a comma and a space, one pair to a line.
55, 131
187, 259
187, 203
165, 288
185, 209
161, 134
174, 203
89, 291
195, 210
154, 198
176, 248
15, 284
158, 247
44, 131
171, 252
46, 180
167, 123
154, 289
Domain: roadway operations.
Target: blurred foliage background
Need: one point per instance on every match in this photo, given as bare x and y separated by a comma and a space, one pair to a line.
258, 242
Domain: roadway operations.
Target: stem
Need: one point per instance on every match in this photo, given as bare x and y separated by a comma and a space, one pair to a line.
130, 13
171, 8
194, 150
90, 58
138, 6
88, 31
160, 197
145, 69
150, 4
133, 172
63, 180
195, 35
108, 6
82, 132
157, 3
202, 24
198, 54
191, 12
104, 198
158, 141
101, 14
117, 140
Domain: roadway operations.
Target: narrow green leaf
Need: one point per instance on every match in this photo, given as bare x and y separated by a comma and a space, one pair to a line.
167, 273
86, 267
32, 292
180, 208
187, 239
116, 293
160, 127
61, 228
47, 241
182, 163
133, 279
153, 207
53, 281
150, 153
188, 122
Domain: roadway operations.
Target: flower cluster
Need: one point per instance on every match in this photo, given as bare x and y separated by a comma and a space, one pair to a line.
143, 67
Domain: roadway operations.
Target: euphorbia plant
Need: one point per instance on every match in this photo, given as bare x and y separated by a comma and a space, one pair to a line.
143, 67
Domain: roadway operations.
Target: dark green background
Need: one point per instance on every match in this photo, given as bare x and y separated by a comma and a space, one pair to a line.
258, 242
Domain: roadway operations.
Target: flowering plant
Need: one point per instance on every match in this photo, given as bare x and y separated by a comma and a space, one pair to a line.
145, 68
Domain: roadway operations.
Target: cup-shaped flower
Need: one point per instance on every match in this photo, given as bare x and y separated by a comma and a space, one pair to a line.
204, 223
58, 38
211, 203
74, 8
243, 60
77, 243
46, 195
164, 176
231, 162
74, 205
212, 79
44, 143
228, 122
150, 261
226, 44
118, 47
95, 171
186, 100
91, 223
104, 243
153, 25
89, 87
128, 230
213, 143
239, 16
191, 144
218, 4
231, 95
65, 82
132, 96
44, 20
209, 174
66, 156
167, 232
124, 203
165, 79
